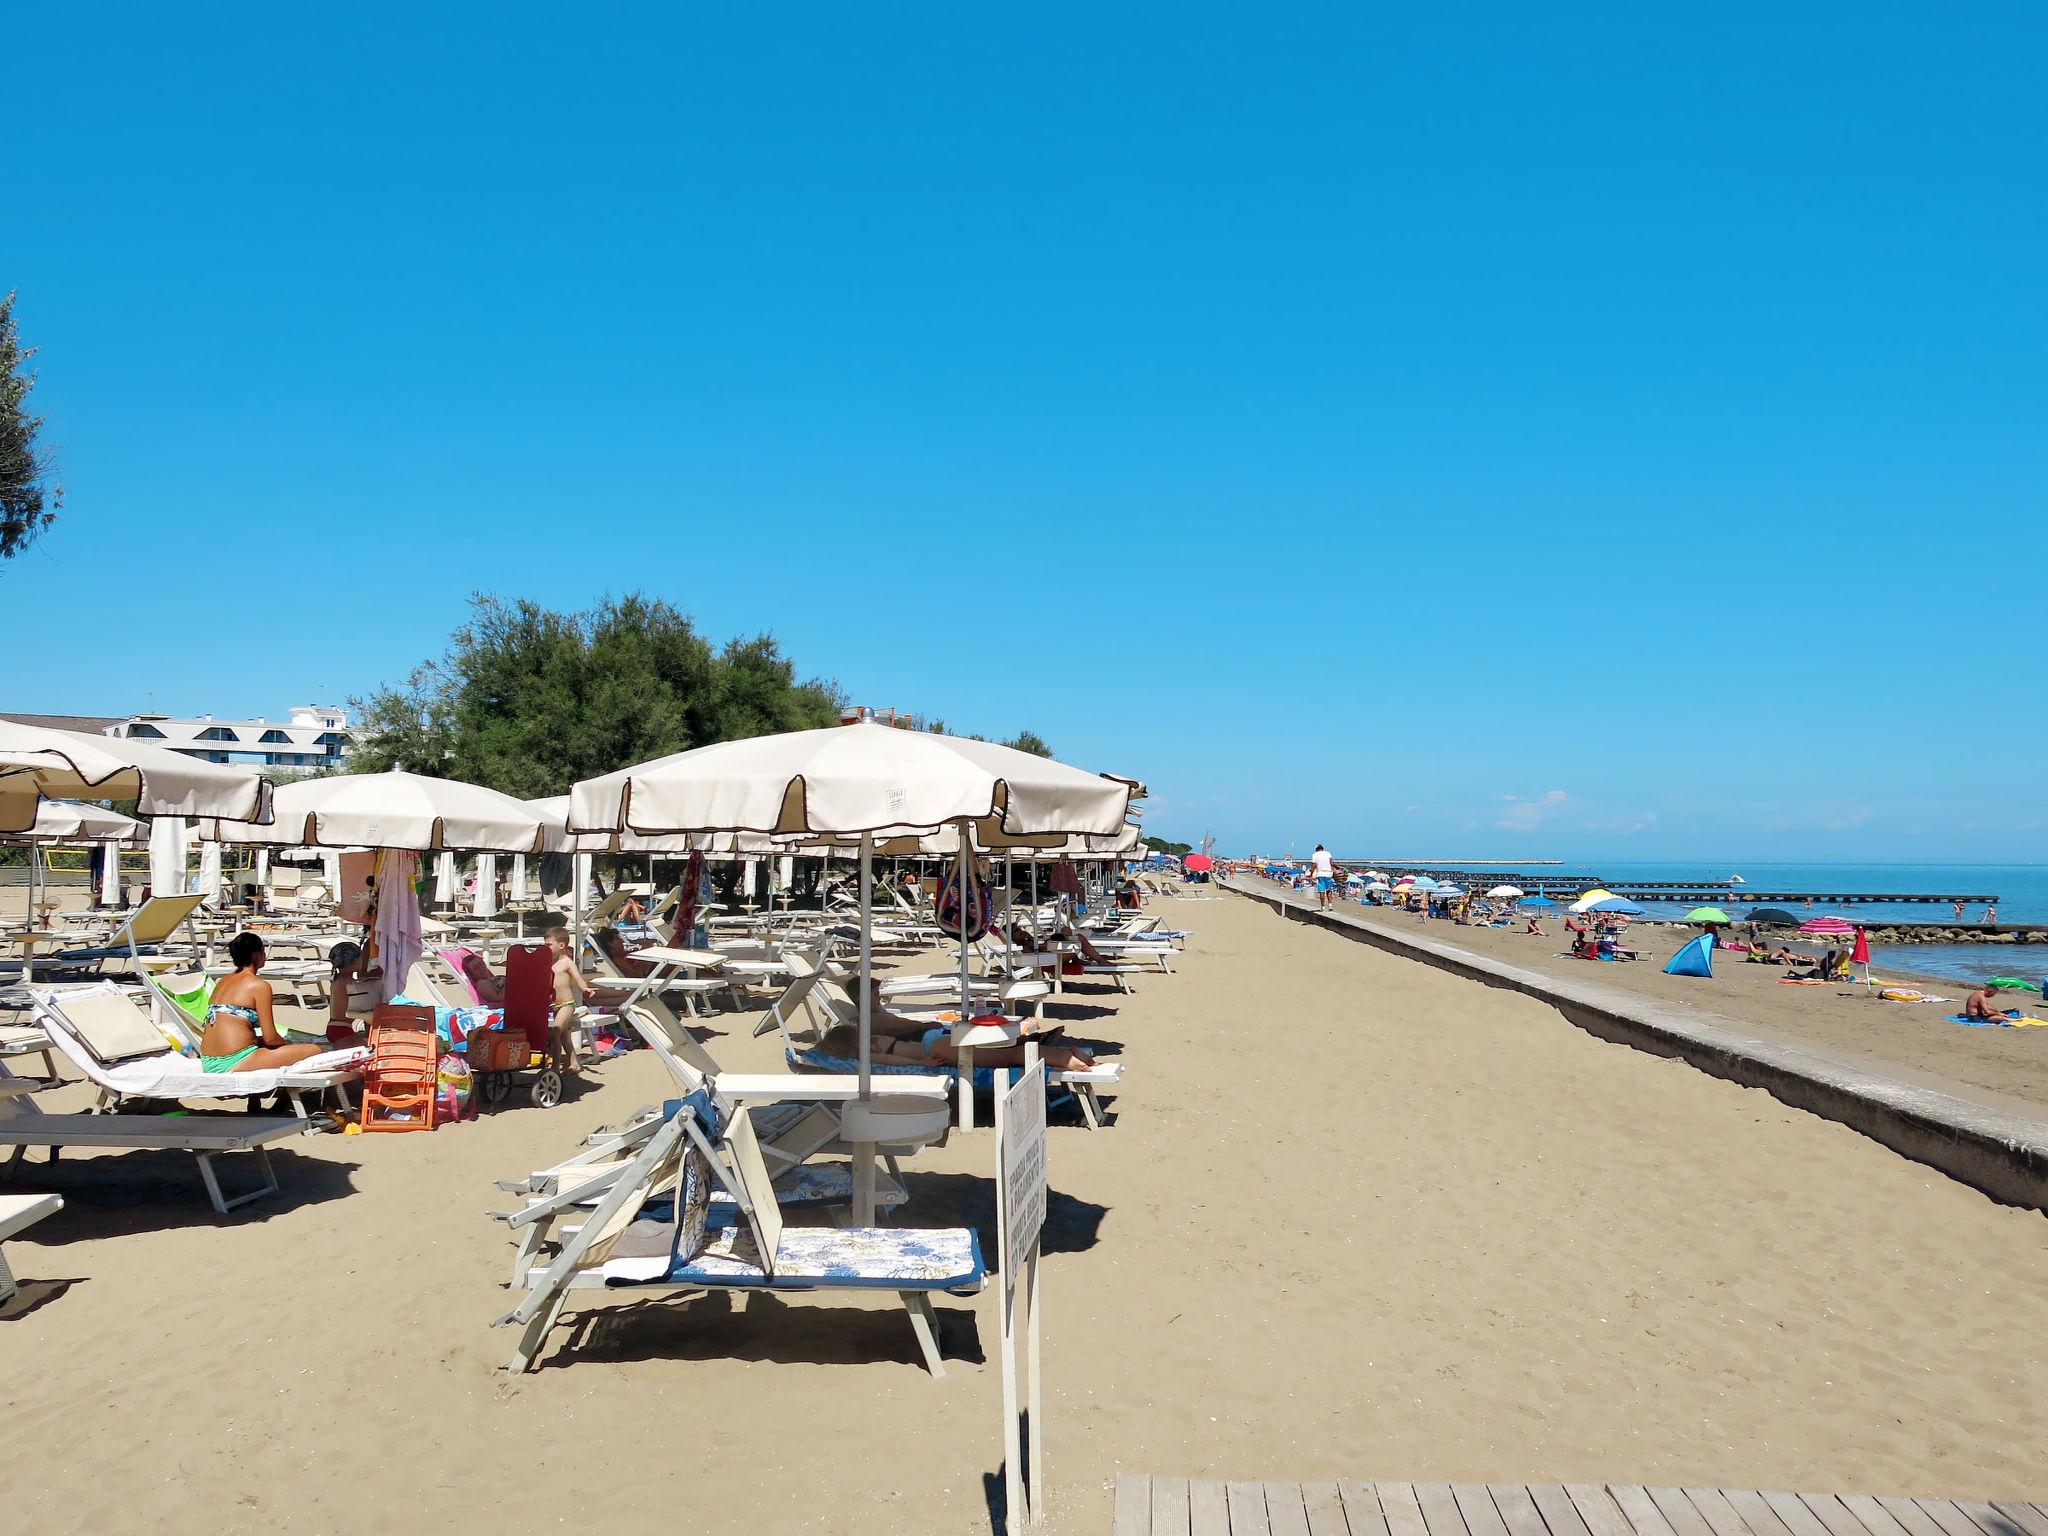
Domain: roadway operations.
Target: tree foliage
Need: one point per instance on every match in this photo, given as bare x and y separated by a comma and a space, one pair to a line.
528, 701
29, 495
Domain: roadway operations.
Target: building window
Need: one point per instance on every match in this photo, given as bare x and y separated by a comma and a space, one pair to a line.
276, 736
218, 733
149, 731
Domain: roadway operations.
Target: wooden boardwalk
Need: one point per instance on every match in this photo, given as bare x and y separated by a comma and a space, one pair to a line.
1180, 1506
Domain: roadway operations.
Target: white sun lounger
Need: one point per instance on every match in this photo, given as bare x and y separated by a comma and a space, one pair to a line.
16, 1213
118, 1048
23, 1125
634, 1241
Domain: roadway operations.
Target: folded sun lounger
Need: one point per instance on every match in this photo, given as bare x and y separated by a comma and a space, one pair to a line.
657, 1231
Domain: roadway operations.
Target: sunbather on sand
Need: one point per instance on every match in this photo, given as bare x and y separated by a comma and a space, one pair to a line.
240, 1033
1978, 1005
1536, 928
933, 1048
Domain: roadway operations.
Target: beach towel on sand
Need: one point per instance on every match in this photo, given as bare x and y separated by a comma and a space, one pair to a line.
1961, 1018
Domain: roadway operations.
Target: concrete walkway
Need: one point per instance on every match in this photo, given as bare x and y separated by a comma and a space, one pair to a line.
1997, 1145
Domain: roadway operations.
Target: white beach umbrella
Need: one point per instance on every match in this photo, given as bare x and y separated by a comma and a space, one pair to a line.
857, 778
396, 810
486, 904
59, 821
38, 764
167, 856
861, 780
515, 887
1505, 892
444, 880
110, 873
209, 873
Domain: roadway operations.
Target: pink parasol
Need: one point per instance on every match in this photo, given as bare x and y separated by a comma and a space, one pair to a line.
1198, 863
1828, 927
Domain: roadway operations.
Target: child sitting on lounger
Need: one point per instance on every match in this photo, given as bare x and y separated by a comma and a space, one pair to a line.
934, 1048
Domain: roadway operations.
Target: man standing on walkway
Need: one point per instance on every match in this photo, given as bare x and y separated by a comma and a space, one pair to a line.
1326, 876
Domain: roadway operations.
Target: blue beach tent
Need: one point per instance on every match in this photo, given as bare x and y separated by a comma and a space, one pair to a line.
1695, 958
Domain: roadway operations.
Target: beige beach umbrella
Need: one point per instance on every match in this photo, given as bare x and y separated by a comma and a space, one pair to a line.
73, 821
859, 778
863, 780
395, 810
38, 764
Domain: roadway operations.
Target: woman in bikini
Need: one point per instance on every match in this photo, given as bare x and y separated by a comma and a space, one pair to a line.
240, 1035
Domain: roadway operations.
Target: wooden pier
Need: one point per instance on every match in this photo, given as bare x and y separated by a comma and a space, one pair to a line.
1180, 1506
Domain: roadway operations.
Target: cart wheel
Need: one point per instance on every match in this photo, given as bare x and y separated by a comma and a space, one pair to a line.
547, 1088
496, 1087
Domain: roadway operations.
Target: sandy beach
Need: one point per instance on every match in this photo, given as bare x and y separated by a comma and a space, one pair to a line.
1354, 1218
1845, 1020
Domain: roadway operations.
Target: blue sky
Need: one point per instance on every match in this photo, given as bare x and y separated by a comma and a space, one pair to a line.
1455, 430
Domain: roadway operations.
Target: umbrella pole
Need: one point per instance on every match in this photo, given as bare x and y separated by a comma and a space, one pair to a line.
864, 1151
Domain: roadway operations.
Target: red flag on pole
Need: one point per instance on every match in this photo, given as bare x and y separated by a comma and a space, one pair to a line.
1860, 955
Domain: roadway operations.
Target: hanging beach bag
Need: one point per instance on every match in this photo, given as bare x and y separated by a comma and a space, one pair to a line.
962, 905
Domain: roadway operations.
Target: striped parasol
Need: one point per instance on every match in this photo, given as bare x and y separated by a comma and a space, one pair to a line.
1828, 927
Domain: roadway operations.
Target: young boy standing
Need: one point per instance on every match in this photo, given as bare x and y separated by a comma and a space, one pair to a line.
570, 989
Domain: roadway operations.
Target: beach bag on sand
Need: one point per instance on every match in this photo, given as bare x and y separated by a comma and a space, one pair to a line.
455, 1081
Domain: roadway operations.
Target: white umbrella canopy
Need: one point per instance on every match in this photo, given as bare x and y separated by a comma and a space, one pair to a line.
857, 778
64, 820
38, 764
396, 810
1505, 891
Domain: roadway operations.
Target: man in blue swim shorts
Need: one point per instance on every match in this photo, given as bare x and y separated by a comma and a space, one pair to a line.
1326, 876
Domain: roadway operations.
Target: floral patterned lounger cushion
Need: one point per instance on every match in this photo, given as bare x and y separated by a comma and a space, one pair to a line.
813, 1258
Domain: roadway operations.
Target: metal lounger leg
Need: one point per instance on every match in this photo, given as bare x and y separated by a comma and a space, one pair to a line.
1091, 1107
925, 1323
223, 1205
535, 1333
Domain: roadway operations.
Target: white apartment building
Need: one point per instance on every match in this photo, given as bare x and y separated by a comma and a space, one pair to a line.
316, 736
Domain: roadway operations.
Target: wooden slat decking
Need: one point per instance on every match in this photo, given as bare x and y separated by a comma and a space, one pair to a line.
1183, 1506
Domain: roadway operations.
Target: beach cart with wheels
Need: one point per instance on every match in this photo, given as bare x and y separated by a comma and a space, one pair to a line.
520, 1042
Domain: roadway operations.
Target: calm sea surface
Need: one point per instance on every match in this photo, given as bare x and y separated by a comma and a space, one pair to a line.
2022, 891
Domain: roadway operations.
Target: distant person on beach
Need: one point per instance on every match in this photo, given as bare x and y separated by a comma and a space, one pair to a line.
1959, 911
570, 988
1325, 871
1991, 914
1979, 1005
1535, 927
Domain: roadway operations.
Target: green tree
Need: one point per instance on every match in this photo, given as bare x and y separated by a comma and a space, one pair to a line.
528, 700
1030, 741
29, 495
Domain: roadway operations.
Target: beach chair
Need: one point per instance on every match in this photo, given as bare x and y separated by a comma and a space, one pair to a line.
401, 1084
23, 1125
559, 1196
146, 930
657, 1232
1082, 1089
16, 1213
123, 1052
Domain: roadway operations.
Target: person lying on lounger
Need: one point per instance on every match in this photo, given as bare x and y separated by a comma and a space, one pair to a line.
1979, 1005
487, 984
612, 944
934, 1048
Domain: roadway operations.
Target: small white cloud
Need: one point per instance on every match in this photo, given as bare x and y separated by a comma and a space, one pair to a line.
1528, 815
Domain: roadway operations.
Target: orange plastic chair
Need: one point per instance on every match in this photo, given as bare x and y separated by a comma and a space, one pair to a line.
401, 1084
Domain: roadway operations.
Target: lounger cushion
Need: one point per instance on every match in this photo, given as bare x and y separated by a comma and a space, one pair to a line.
811, 1258
109, 1025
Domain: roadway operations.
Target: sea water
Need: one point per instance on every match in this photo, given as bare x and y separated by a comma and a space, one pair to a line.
2021, 889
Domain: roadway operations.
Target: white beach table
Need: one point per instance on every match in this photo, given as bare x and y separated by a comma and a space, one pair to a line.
17, 1212
966, 1035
